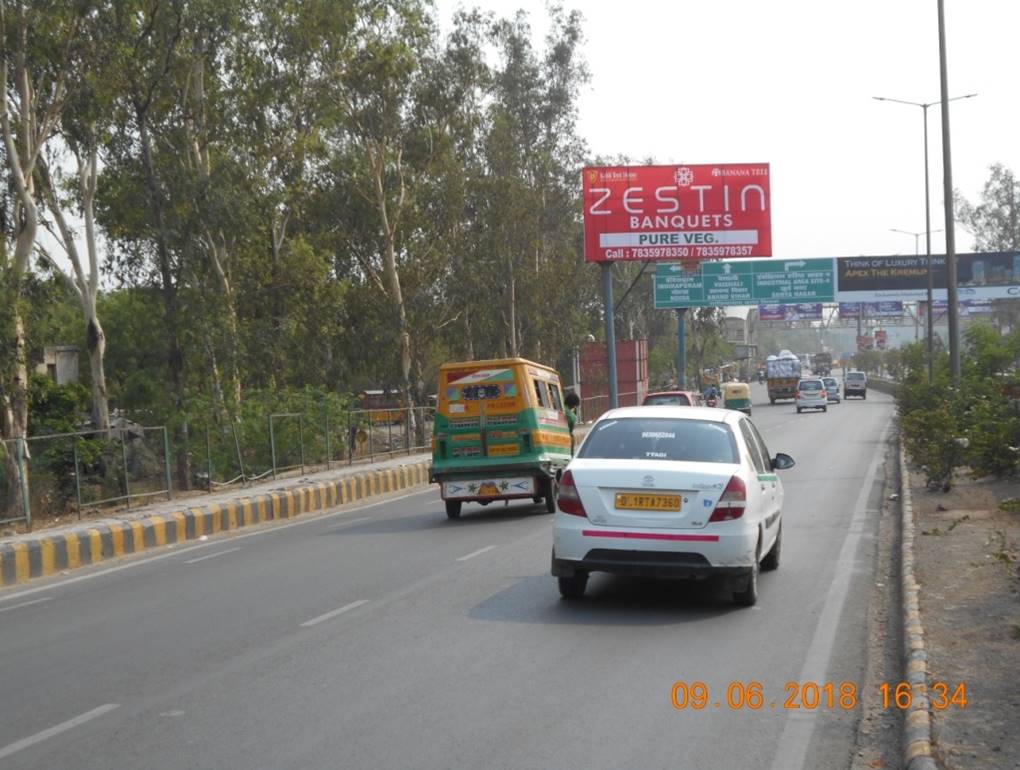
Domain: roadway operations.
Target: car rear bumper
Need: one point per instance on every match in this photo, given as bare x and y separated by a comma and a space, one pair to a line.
659, 564
582, 546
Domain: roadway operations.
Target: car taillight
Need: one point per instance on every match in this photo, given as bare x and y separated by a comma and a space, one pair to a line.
797, 394
733, 501
568, 499
825, 394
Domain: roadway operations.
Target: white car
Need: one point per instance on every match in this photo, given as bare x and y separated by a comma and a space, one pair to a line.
811, 394
688, 492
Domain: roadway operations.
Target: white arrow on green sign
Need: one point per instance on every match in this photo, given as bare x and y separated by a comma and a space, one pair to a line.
746, 282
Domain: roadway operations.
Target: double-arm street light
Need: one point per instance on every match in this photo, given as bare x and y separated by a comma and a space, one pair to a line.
916, 236
927, 215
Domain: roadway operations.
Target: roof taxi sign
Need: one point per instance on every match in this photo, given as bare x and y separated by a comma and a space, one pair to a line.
677, 212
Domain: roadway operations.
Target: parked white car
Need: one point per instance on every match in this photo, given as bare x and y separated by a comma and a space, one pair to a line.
688, 492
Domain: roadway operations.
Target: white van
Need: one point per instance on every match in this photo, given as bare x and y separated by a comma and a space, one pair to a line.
855, 384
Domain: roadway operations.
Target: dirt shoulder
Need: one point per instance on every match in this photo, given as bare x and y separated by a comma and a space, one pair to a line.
967, 561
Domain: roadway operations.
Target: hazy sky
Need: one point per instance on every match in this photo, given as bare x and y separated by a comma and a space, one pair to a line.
789, 82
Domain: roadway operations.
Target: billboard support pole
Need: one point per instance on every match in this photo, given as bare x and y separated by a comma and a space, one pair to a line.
607, 300
681, 346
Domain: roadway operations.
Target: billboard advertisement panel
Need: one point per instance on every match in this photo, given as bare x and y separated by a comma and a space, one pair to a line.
811, 311
852, 310
771, 312
677, 212
991, 275
969, 307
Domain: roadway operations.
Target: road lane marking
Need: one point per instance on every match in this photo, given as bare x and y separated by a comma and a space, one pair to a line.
348, 523
479, 552
49, 732
25, 604
334, 613
272, 527
797, 731
212, 555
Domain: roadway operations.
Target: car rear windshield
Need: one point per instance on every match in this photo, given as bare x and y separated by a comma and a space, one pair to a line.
811, 385
673, 399
855, 376
651, 438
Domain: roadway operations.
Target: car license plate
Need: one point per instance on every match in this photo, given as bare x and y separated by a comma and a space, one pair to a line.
636, 502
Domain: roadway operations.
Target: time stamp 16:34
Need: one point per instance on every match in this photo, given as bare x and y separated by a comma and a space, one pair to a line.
810, 696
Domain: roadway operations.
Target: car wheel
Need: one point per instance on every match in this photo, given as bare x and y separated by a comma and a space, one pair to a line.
771, 560
864, 397
749, 595
536, 499
772, 401
825, 409
453, 509
573, 587
798, 410
550, 496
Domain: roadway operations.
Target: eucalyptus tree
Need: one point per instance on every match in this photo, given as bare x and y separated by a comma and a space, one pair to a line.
37, 38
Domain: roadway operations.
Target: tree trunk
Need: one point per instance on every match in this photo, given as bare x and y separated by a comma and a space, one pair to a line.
95, 339
175, 353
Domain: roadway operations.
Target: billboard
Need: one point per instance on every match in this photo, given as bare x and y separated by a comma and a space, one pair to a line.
771, 312
992, 275
865, 342
677, 212
804, 311
881, 339
852, 310
969, 307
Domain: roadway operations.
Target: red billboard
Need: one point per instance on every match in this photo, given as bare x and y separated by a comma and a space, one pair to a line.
677, 212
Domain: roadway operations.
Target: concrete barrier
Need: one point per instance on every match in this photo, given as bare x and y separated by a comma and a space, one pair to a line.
49, 553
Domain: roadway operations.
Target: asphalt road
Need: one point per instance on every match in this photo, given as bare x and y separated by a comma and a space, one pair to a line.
386, 636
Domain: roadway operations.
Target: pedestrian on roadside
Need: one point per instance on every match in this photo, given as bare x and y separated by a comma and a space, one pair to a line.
571, 401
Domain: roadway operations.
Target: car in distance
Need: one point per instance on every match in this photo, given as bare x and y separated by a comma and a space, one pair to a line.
672, 398
672, 492
855, 384
832, 389
811, 394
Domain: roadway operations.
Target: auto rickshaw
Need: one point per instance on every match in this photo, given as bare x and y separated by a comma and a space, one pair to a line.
737, 395
501, 433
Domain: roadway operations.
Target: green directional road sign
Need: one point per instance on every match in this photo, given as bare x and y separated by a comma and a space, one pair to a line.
745, 282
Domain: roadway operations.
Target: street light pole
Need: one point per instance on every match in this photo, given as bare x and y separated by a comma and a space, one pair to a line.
927, 209
947, 191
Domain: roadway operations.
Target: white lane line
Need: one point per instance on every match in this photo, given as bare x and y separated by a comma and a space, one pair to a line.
479, 552
796, 737
334, 613
49, 732
174, 550
212, 555
25, 604
348, 523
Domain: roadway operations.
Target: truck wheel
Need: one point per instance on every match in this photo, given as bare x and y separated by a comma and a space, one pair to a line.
453, 509
772, 400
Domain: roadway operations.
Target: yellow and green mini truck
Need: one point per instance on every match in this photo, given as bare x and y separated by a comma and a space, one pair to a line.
500, 433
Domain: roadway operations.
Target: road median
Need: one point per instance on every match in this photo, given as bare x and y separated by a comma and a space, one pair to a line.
27, 557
